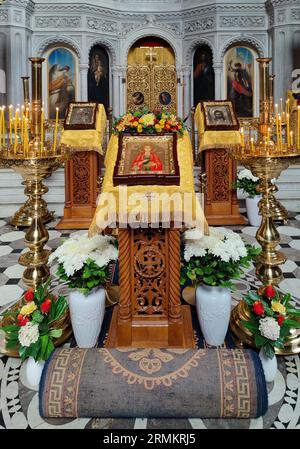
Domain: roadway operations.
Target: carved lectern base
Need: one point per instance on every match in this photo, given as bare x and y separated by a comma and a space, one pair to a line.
150, 313
160, 335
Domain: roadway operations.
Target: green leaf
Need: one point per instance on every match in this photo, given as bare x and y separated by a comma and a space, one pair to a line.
55, 333
292, 323
49, 350
292, 311
260, 340
37, 316
11, 328
269, 350
44, 342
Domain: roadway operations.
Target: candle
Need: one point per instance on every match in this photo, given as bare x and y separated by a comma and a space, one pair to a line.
281, 111
268, 136
10, 124
280, 133
252, 144
291, 138
55, 131
1, 127
26, 137
277, 124
287, 106
16, 122
288, 129
4, 127
42, 128
298, 127
242, 137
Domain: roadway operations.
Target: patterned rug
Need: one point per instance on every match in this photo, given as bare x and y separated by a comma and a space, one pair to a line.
19, 403
124, 383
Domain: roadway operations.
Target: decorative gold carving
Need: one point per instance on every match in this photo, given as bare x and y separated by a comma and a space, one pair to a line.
220, 176
81, 188
151, 80
150, 283
164, 80
124, 269
138, 80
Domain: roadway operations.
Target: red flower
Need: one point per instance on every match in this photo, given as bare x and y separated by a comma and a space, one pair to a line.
258, 308
280, 320
22, 320
46, 305
270, 291
29, 295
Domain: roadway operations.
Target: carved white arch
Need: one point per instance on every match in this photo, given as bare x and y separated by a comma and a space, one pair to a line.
109, 47
193, 47
241, 40
159, 32
58, 40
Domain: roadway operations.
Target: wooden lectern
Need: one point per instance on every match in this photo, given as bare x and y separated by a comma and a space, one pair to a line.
150, 313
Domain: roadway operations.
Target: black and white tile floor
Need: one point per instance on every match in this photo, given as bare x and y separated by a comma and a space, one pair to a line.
19, 403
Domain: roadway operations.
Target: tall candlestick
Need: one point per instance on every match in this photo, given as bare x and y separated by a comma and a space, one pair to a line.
252, 144
281, 110
55, 131
291, 139
10, 124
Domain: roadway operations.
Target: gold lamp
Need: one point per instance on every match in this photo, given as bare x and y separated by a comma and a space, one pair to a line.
273, 151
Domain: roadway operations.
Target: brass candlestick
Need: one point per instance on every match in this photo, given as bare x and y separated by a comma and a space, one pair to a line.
266, 160
35, 160
23, 216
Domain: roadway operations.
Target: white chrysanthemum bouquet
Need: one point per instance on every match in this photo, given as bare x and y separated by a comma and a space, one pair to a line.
215, 259
83, 262
247, 182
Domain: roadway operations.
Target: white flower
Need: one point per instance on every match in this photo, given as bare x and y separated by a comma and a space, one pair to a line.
75, 251
269, 328
222, 243
193, 234
28, 334
247, 174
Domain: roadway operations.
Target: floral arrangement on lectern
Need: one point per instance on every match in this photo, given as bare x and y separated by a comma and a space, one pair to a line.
247, 182
83, 262
34, 325
215, 259
271, 318
147, 122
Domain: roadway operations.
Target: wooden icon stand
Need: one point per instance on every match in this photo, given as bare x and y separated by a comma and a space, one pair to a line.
150, 313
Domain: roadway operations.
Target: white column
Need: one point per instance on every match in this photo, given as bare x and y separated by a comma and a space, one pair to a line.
186, 73
83, 82
219, 81
122, 90
115, 91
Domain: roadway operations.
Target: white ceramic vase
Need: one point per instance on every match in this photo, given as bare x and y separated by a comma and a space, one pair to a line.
253, 210
34, 371
87, 313
213, 308
269, 366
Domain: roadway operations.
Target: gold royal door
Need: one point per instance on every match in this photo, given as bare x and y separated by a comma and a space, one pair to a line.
151, 79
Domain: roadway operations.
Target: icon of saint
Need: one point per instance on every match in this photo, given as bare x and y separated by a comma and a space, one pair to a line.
147, 161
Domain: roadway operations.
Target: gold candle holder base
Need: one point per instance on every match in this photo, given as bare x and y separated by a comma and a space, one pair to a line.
23, 218
265, 167
35, 170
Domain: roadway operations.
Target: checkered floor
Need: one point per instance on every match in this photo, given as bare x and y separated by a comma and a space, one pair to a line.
19, 403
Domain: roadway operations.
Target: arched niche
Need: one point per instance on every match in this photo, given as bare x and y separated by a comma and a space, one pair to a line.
240, 78
98, 76
61, 79
203, 74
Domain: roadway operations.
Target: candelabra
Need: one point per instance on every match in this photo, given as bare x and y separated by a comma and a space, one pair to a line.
266, 158
24, 149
